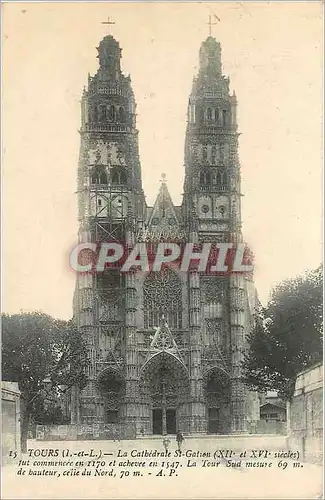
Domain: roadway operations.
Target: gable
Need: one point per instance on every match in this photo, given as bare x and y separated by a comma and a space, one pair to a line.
271, 406
163, 219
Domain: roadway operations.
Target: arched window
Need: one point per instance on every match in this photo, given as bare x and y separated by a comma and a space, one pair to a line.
162, 297
112, 113
222, 178
98, 176
118, 176
205, 153
94, 178
216, 114
222, 153
114, 176
224, 117
102, 113
93, 113
121, 115
102, 177
123, 176
205, 178
201, 114
209, 114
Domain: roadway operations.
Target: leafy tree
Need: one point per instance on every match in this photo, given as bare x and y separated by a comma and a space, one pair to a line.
288, 336
46, 356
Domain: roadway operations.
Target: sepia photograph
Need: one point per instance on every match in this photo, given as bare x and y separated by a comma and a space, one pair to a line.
162, 250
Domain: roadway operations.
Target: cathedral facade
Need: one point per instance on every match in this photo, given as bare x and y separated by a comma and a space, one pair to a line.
165, 347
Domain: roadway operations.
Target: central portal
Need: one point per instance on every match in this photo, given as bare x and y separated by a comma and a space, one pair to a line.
159, 415
164, 387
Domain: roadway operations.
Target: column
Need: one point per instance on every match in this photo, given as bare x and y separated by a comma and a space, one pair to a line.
233, 104
84, 314
238, 390
164, 408
74, 409
130, 406
197, 405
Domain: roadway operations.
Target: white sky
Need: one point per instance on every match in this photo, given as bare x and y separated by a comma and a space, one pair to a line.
272, 53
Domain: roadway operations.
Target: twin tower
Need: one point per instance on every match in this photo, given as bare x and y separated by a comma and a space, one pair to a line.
166, 347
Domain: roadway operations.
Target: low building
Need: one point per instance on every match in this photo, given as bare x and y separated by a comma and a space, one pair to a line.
273, 415
10, 404
271, 412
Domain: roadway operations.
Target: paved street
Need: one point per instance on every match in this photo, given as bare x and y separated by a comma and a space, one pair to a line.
166, 477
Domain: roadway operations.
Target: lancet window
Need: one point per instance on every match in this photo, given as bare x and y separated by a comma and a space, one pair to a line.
118, 176
112, 113
205, 178
98, 176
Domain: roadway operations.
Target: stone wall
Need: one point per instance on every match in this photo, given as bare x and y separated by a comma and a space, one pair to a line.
271, 427
85, 432
305, 415
10, 404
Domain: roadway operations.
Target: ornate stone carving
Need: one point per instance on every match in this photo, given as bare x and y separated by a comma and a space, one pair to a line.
162, 296
213, 290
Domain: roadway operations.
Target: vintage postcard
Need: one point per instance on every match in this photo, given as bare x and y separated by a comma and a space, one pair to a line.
162, 250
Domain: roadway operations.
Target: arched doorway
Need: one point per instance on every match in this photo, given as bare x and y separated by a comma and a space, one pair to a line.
217, 397
111, 385
164, 385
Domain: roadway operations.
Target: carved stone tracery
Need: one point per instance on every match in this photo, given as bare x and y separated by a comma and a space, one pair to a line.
162, 296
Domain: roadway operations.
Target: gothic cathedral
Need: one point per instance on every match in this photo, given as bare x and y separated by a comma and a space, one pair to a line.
165, 347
